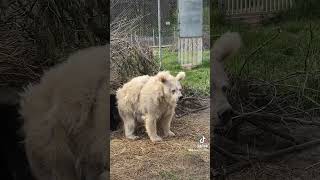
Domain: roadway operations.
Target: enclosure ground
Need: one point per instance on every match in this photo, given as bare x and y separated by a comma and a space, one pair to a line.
285, 57
175, 158
301, 165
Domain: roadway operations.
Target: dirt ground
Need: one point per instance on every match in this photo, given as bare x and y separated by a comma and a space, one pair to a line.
175, 158
301, 165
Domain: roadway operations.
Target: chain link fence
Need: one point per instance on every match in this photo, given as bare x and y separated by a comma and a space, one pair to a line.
142, 15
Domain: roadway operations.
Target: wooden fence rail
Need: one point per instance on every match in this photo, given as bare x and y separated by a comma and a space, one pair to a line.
240, 7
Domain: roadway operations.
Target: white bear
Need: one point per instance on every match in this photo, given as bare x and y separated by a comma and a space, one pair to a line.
65, 118
152, 100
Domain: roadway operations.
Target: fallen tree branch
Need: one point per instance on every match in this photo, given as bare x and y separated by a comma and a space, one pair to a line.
230, 169
229, 154
243, 164
277, 118
192, 111
265, 127
291, 149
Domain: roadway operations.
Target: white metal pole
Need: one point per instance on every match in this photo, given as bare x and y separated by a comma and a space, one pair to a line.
153, 38
174, 35
159, 32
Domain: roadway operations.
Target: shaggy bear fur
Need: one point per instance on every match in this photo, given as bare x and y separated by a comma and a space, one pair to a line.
65, 117
152, 100
228, 44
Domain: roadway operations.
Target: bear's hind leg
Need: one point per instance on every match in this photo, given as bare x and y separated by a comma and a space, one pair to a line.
129, 125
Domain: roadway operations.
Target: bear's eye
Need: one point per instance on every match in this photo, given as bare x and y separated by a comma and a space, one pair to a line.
173, 91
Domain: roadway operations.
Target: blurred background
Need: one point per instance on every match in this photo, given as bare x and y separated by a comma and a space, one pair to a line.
34, 36
275, 82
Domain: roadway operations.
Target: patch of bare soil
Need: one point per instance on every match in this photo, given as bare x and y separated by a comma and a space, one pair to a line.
175, 158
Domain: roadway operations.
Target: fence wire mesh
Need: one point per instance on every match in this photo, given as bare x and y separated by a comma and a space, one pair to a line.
143, 18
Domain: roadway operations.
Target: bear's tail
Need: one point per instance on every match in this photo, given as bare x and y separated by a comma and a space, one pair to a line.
226, 45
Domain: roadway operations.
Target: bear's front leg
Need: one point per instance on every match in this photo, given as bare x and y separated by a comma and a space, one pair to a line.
151, 127
165, 123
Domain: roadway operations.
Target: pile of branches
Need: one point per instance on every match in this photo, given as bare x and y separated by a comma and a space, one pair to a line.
295, 95
266, 120
17, 54
35, 35
192, 102
129, 57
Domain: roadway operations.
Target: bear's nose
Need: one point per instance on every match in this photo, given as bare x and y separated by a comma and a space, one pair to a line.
181, 97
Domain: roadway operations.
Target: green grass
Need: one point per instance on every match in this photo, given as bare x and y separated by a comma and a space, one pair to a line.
197, 79
285, 54
295, 49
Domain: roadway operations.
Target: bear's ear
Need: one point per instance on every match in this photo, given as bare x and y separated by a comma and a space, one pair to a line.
163, 76
180, 76
163, 79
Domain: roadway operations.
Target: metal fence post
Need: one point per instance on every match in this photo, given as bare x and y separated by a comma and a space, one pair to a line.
159, 31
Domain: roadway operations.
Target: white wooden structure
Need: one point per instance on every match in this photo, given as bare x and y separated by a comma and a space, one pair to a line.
242, 7
190, 51
190, 33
